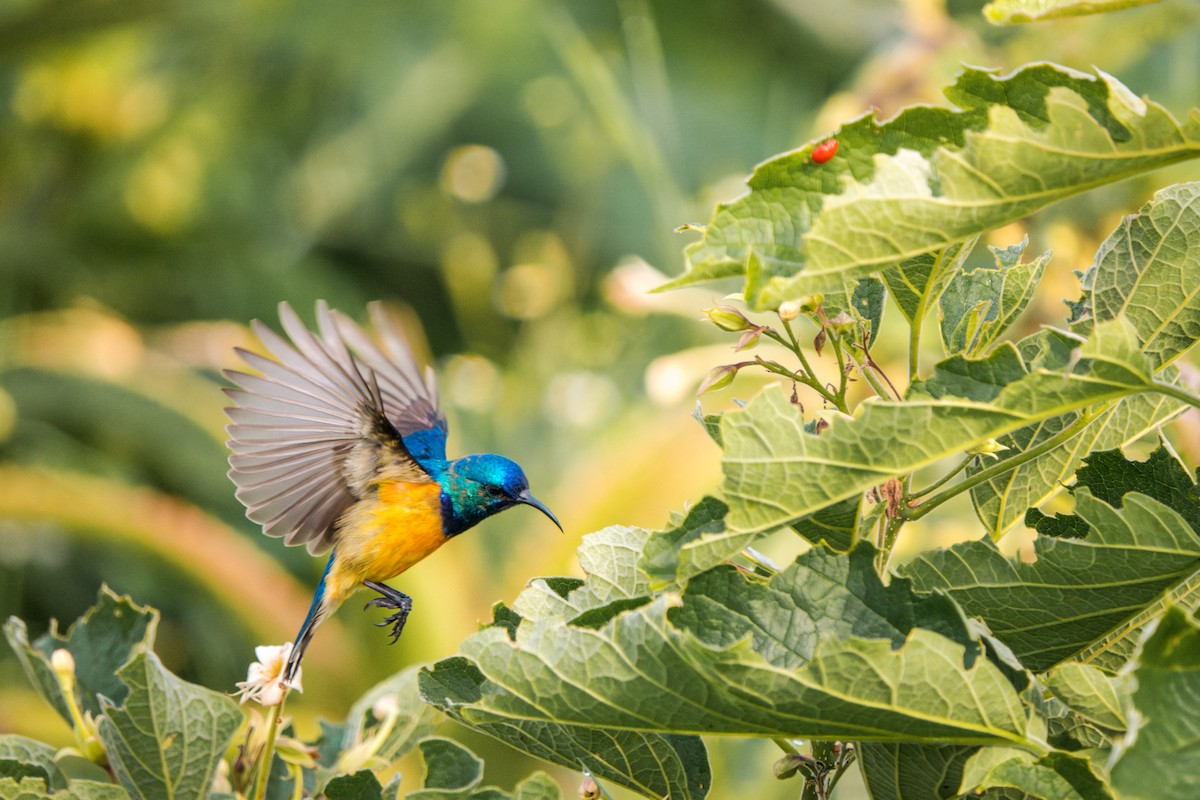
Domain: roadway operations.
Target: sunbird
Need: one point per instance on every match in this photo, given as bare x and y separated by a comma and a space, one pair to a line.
340, 444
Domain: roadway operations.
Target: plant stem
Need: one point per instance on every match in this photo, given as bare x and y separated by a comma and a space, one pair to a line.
1000, 467
785, 745
268, 753
873, 381
942, 481
1171, 390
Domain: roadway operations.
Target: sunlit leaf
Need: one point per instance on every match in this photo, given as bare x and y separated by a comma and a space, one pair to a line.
821, 650
1012, 12
1020, 774
22, 757
164, 741
1163, 760
775, 474
931, 177
100, 642
917, 283
1148, 272
1090, 693
1125, 547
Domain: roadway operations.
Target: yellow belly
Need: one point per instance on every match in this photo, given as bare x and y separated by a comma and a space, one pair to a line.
384, 536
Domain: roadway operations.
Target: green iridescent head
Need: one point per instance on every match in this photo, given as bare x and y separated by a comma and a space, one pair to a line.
476, 487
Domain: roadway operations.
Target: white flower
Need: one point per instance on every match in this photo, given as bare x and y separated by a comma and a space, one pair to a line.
264, 682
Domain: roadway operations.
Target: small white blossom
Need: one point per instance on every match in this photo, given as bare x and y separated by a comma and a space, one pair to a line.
264, 682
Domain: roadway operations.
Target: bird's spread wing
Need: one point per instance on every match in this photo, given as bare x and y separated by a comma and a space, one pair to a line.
323, 419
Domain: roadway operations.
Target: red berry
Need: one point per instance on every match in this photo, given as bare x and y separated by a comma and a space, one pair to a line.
824, 151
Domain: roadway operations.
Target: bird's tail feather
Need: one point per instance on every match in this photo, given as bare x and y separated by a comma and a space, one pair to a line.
316, 614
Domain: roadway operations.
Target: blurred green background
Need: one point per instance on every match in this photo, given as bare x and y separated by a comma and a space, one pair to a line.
508, 177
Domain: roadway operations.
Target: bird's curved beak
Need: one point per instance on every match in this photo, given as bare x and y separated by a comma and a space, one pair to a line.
528, 499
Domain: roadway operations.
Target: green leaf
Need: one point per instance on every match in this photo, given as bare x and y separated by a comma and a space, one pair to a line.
1020, 774
100, 641
449, 765
452, 772
165, 740
863, 300
913, 771
362, 785
932, 177
822, 650
1013, 12
1000, 503
538, 786
654, 765
836, 525
22, 757
1148, 272
775, 475
917, 283
699, 542
1118, 648
1089, 693
1164, 758
613, 553
35, 789
978, 306
1080, 589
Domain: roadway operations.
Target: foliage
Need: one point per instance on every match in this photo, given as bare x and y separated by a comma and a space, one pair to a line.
157, 736
1053, 654
963, 670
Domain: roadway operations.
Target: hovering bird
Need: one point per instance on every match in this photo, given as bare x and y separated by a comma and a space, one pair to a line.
339, 444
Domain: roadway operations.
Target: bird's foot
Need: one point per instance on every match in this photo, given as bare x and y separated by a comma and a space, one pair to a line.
390, 598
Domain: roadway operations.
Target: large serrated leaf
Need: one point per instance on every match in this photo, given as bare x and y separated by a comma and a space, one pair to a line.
100, 642
652, 764
1001, 772
1163, 760
1126, 549
822, 650
35, 789
932, 177
913, 771
22, 757
1000, 503
1148, 271
164, 742
775, 474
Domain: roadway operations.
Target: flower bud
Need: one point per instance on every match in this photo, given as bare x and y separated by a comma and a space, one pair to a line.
728, 318
842, 324
589, 789
789, 310
718, 378
748, 339
63, 663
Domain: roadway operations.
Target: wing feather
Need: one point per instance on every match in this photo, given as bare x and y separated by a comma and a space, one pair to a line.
325, 413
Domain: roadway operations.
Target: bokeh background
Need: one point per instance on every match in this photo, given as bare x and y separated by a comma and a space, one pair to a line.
506, 177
